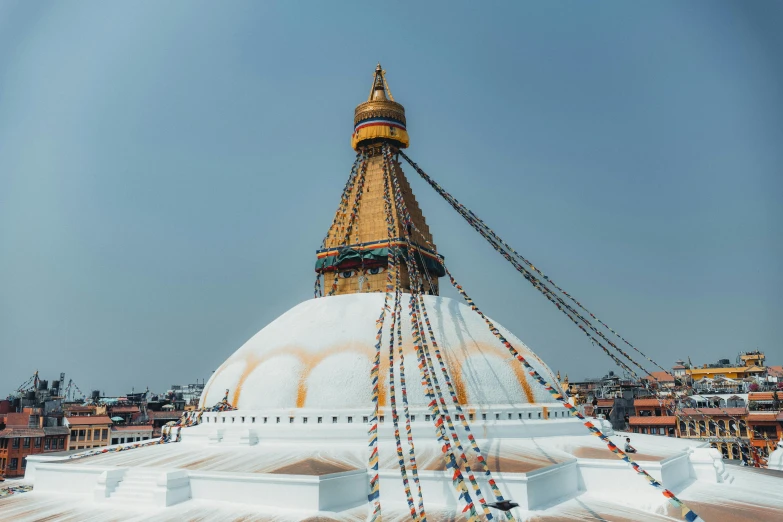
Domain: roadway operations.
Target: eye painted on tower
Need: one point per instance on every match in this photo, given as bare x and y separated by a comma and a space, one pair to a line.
345, 274
376, 270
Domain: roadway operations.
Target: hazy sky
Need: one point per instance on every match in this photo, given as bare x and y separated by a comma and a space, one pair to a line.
167, 171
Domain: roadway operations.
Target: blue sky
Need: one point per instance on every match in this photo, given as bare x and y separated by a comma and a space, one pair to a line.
167, 171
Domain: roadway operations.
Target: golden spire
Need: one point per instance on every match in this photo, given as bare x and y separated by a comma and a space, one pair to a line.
380, 117
356, 264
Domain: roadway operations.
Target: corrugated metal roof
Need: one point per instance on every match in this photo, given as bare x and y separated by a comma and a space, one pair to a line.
56, 430
13, 433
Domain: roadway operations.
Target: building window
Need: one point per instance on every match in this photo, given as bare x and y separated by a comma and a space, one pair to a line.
483, 416
46, 444
470, 416
529, 415
277, 420
350, 420
265, 419
304, 420
383, 418
290, 420
497, 416
224, 420
115, 440
38, 442
365, 420
334, 420
24, 462
15, 443
320, 420
520, 416
252, 420
26, 442
427, 417
539, 414
413, 418
14, 463
105, 434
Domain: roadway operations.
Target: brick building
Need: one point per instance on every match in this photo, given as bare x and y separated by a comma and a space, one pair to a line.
652, 417
25, 435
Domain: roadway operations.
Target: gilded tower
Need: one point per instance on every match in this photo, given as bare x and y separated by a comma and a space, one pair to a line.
355, 247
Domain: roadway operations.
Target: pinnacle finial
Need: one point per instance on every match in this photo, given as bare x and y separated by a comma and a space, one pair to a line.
379, 88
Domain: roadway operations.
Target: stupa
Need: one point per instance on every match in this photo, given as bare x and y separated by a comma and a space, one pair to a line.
380, 399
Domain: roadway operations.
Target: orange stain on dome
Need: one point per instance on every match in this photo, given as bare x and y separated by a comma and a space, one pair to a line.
519, 371
310, 360
454, 360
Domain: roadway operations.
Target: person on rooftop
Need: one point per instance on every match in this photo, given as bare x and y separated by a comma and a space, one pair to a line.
628, 447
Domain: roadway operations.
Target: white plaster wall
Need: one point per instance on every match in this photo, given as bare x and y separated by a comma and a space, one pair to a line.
230, 424
546, 485
340, 491
598, 475
75, 480
675, 470
284, 491
532, 490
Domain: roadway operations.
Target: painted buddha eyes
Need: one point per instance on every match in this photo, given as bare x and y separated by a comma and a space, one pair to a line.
347, 274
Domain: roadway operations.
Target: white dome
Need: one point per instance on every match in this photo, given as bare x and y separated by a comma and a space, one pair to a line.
318, 355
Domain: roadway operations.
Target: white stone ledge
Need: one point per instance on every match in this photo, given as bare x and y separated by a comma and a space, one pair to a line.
310, 492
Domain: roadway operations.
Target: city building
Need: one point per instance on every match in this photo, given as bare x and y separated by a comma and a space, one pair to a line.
725, 428
660, 380
749, 364
123, 413
765, 420
25, 435
678, 370
189, 394
88, 432
652, 417
133, 433
78, 410
161, 418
